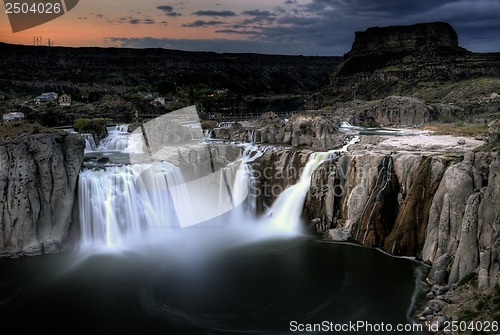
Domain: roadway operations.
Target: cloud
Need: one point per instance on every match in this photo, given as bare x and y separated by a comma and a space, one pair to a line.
223, 13
201, 23
327, 27
238, 32
258, 16
168, 10
136, 21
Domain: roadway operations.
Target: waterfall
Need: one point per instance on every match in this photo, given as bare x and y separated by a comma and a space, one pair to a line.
90, 144
117, 139
122, 202
286, 210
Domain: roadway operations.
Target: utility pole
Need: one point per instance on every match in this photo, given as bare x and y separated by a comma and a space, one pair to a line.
37, 40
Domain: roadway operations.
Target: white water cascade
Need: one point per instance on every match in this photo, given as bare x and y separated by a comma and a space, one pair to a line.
124, 204
120, 203
90, 144
119, 139
285, 212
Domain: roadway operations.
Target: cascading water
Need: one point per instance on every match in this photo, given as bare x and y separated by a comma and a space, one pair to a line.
119, 139
193, 280
120, 203
123, 202
286, 209
90, 144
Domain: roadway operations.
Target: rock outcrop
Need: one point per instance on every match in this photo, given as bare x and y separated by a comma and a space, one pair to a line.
38, 175
382, 200
390, 111
412, 37
422, 61
300, 131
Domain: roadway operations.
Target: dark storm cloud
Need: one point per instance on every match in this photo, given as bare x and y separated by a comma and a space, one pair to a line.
134, 21
264, 15
327, 27
334, 22
223, 13
201, 23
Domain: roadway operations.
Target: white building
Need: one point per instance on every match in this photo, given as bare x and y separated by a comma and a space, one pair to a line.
46, 97
160, 100
13, 117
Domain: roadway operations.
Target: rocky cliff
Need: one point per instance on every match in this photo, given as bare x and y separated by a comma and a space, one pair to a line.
38, 174
301, 130
437, 201
411, 37
423, 61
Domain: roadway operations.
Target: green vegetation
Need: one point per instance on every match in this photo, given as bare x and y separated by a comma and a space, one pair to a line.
458, 128
208, 124
17, 128
470, 278
92, 126
467, 315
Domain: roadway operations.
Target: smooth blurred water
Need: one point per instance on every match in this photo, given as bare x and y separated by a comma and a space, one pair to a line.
234, 274
251, 288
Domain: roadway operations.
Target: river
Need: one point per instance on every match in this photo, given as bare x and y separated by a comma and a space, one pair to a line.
241, 275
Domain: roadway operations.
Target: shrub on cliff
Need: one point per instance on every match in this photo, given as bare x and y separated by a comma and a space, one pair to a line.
92, 126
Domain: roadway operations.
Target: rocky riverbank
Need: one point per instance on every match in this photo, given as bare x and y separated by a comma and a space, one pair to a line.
432, 197
421, 195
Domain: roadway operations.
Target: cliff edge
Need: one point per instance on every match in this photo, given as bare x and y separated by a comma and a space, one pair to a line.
38, 173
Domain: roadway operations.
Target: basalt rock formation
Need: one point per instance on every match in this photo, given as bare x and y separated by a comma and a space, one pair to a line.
300, 131
440, 205
38, 174
414, 37
423, 61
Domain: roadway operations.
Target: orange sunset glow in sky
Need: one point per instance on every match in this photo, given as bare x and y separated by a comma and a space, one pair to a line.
307, 27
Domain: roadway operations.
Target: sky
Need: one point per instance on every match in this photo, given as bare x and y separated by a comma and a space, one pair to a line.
288, 27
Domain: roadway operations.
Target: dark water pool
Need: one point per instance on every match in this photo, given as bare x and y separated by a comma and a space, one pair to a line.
271, 287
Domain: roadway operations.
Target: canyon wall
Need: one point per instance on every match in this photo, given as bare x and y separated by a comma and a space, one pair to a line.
38, 174
440, 207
